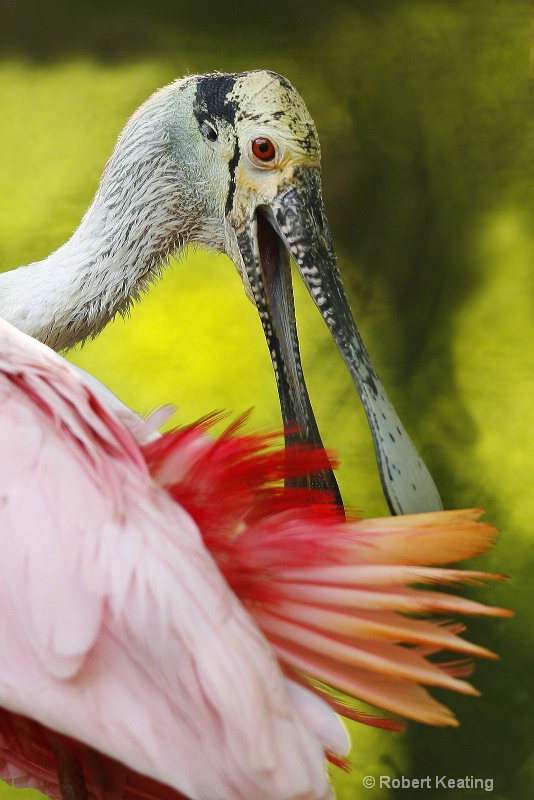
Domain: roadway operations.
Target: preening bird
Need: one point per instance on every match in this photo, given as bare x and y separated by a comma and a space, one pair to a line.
231, 162
172, 621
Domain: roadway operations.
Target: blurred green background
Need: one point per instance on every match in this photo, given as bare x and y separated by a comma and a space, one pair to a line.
422, 109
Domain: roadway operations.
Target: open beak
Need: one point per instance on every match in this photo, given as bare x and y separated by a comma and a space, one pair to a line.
295, 224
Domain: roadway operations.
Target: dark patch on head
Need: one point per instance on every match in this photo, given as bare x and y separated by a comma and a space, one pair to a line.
211, 98
309, 142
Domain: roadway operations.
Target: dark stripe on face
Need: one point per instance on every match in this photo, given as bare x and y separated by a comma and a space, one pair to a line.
212, 104
234, 161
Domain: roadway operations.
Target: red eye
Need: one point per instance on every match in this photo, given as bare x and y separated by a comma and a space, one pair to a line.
263, 149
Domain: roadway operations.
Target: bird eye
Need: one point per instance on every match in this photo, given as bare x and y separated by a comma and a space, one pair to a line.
263, 149
208, 131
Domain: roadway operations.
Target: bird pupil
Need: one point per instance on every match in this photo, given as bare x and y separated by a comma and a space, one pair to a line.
263, 149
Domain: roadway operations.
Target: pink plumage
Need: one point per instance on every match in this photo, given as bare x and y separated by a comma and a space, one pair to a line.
141, 652
331, 594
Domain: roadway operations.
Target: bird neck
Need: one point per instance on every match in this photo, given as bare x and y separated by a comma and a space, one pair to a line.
78, 289
141, 215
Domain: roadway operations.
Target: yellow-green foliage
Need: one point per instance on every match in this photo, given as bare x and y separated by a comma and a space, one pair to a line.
422, 112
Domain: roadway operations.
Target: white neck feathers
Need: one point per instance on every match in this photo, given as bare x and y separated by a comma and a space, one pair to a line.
141, 214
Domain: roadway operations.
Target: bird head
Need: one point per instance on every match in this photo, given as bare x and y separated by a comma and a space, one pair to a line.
245, 159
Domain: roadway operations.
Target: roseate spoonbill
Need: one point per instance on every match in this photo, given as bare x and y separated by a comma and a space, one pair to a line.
230, 161
127, 655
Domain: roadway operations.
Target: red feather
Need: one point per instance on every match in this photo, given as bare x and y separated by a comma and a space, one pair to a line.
269, 542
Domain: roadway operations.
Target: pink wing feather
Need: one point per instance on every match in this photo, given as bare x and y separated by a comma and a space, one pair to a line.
120, 633
117, 627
